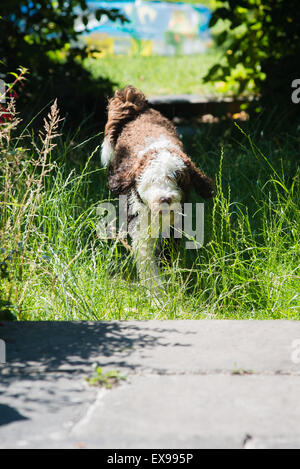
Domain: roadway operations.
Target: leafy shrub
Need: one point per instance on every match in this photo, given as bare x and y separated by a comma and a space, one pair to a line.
40, 35
261, 43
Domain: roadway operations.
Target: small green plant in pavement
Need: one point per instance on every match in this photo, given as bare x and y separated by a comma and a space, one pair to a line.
107, 379
240, 371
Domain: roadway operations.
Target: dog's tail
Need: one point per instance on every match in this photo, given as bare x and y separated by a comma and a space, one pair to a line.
123, 107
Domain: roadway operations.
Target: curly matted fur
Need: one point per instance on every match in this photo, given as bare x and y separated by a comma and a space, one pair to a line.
146, 161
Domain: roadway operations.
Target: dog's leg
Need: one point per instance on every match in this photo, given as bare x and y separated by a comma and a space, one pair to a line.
143, 245
149, 272
168, 248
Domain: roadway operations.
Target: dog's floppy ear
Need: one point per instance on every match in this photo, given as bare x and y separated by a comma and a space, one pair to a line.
119, 181
203, 185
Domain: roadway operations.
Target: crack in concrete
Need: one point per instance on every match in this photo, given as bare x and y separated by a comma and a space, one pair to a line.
75, 427
23, 371
149, 372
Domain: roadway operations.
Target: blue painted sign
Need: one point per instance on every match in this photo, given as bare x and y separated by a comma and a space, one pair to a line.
153, 28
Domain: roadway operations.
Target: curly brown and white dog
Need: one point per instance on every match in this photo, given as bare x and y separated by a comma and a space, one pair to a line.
146, 161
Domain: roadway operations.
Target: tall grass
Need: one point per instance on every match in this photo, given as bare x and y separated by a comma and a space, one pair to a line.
54, 267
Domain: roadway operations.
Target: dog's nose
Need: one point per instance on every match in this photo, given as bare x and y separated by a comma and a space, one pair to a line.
165, 200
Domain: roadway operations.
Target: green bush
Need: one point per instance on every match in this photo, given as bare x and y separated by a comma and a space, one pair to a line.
261, 44
40, 35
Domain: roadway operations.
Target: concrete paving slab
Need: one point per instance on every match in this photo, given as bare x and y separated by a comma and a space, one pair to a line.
154, 411
164, 346
46, 408
191, 384
209, 411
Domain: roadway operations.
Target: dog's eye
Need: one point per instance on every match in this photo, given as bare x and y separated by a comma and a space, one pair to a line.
182, 178
173, 177
179, 177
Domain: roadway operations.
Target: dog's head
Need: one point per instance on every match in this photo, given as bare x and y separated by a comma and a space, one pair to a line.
168, 179
158, 185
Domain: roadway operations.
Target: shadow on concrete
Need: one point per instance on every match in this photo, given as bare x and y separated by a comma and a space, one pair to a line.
9, 415
41, 347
